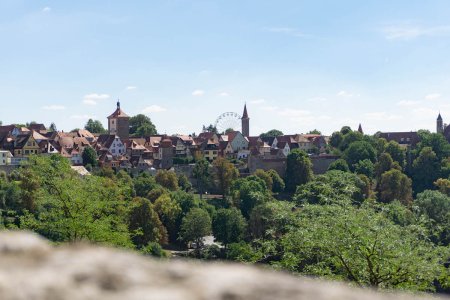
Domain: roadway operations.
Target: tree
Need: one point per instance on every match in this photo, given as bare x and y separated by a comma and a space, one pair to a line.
340, 165
248, 193
349, 138
346, 130
383, 165
89, 157
358, 151
210, 128
298, 169
436, 207
315, 131
271, 133
397, 153
167, 179
141, 125
271, 220
144, 224
228, 130
201, 173
443, 185
278, 182
228, 226
53, 127
365, 167
184, 183
94, 126
425, 170
71, 208
266, 177
436, 142
395, 186
333, 187
143, 184
169, 212
336, 139
195, 226
225, 173
359, 245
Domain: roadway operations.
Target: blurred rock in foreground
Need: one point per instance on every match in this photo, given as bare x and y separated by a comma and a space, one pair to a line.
32, 269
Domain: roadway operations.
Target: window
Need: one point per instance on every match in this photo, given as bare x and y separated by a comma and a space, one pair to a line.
113, 150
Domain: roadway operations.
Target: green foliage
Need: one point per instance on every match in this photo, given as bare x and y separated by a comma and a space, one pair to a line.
89, 157
436, 142
349, 138
228, 226
358, 151
340, 165
167, 179
365, 167
69, 208
195, 225
266, 177
271, 133
277, 182
184, 183
94, 126
396, 152
333, 187
143, 184
144, 224
359, 245
436, 207
425, 170
336, 139
271, 220
243, 252
298, 169
141, 125
224, 173
395, 186
169, 212
248, 193
443, 185
154, 249
201, 173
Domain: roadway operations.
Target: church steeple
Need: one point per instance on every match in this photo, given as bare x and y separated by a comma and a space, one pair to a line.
245, 120
439, 124
118, 103
360, 130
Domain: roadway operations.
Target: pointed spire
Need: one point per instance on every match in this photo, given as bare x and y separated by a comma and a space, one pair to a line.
118, 103
439, 118
360, 130
245, 114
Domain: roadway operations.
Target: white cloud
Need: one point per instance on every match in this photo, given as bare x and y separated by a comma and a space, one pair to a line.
153, 109
83, 117
46, 9
131, 87
258, 101
433, 96
93, 99
290, 112
407, 103
411, 31
381, 116
287, 31
345, 94
54, 107
198, 93
269, 108
224, 94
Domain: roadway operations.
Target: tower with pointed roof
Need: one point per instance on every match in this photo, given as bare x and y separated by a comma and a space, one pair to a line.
119, 123
360, 130
439, 124
245, 120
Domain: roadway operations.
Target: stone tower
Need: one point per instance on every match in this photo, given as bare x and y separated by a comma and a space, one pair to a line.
119, 123
245, 123
439, 124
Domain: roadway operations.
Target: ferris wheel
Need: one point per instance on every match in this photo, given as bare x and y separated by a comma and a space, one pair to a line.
228, 120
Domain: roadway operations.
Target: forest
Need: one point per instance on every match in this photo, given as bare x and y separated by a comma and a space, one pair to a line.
379, 217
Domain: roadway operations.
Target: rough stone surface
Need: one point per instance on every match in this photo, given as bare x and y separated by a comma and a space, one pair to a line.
31, 269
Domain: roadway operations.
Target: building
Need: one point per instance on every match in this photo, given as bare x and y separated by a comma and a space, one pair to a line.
442, 128
5, 158
245, 121
119, 123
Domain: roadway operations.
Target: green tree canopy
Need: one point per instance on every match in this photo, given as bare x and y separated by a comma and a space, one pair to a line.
141, 125
195, 226
271, 133
228, 226
425, 170
224, 172
277, 182
94, 126
89, 157
167, 179
144, 224
358, 151
298, 169
340, 165
395, 186
201, 173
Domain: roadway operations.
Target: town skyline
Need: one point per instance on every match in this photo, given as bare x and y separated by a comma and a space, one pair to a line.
298, 65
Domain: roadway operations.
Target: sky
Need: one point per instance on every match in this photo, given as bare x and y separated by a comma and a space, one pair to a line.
298, 65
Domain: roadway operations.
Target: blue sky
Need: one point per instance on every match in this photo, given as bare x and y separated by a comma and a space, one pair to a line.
298, 65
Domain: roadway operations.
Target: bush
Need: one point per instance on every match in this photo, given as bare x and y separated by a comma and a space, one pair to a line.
154, 249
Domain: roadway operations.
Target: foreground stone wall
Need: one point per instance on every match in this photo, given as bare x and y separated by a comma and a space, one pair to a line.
32, 269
